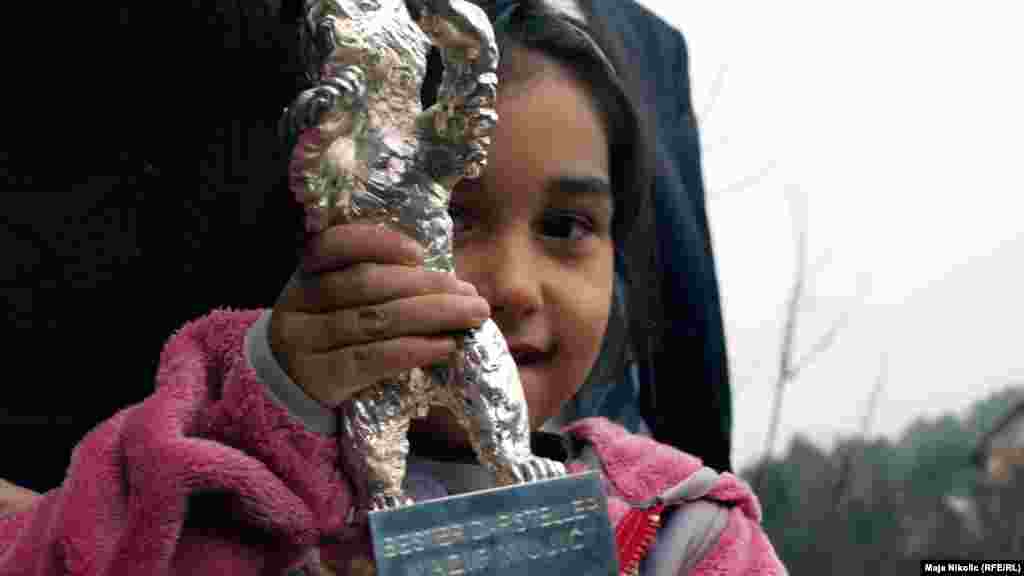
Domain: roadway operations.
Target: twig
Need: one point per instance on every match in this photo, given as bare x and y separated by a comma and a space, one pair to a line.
791, 365
840, 491
744, 182
716, 89
876, 392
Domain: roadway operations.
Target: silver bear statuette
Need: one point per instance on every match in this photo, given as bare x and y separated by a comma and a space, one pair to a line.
365, 150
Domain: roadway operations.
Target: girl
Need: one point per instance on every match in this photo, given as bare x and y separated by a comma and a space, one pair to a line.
230, 466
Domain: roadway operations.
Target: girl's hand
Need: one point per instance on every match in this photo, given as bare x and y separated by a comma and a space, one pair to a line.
361, 308
14, 498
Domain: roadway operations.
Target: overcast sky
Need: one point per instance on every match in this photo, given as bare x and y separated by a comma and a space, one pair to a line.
902, 125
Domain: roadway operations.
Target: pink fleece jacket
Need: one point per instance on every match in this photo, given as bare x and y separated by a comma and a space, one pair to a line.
210, 432
636, 468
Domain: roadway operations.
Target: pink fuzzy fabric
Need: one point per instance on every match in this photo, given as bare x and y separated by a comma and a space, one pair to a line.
636, 468
208, 427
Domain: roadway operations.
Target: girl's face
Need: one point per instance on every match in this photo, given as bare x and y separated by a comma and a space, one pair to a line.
533, 234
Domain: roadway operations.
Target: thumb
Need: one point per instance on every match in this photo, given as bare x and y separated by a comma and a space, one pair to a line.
14, 498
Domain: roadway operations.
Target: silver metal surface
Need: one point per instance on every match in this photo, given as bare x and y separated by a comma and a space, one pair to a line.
364, 150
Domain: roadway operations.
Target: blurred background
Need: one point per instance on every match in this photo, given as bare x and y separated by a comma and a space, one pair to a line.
862, 164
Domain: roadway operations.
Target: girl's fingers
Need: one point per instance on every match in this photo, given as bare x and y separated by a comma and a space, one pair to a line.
416, 316
337, 375
428, 315
14, 498
369, 284
341, 246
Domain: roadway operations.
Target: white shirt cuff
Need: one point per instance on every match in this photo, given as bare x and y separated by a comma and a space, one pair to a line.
315, 416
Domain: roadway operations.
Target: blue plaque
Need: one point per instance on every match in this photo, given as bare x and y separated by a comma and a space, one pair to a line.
554, 527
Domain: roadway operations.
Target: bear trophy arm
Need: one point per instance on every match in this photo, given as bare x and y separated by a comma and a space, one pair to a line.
365, 151
456, 129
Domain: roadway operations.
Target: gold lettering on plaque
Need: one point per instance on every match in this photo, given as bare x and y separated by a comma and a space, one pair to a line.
456, 565
552, 531
448, 535
507, 553
533, 548
584, 505
437, 567
546, 516
388, 549
478, 530
502, 521
481, 557
521, 520
411, 542
574, 534
556, 543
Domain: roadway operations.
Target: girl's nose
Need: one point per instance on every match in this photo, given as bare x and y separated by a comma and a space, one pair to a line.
508, 276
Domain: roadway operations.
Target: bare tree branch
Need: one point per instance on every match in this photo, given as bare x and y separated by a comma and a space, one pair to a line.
716, 89
790, 365
841, 489
823, 343
789, 329
822, 261
828, 338
876, 392
745, 182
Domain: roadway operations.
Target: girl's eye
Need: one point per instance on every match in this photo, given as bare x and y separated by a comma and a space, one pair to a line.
458, 216
567, 225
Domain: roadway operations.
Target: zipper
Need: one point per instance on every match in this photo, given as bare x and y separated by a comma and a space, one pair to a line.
634, 536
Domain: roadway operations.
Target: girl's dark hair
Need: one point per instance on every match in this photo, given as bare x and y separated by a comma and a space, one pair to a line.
595, 58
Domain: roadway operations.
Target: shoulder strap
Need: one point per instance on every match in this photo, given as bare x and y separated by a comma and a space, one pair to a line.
693, 488
690, 526
690, 530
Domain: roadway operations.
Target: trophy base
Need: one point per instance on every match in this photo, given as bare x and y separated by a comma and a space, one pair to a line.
545, 527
